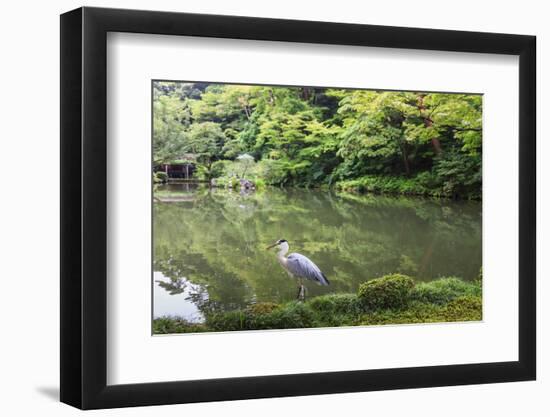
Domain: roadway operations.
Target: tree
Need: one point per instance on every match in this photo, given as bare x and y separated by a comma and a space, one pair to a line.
206, 141
246, 161
311, 136
170, 117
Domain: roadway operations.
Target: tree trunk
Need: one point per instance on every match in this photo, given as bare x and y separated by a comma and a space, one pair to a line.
428, 123
306, 93
246, 112
437, 146
405, 159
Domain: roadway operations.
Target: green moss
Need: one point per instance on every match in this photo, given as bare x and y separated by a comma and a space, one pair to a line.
443, 290
262, 308
415, 313
467, 308
390, 291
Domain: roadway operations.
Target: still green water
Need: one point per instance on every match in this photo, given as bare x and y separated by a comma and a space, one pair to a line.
209, 244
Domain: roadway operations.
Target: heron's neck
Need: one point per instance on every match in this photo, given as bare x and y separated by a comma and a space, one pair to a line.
283, 251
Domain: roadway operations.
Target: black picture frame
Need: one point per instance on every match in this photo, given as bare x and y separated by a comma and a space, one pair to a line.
84, 207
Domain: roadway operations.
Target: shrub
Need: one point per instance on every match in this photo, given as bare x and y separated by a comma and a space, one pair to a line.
170, 325
160, 177
218, 169
259, 183
443, 290
333, 310
292, 315
274, 172
415, 313
235, 183
449, 179
262, 308
220, 182
332, 304
390, 291
226, 321
467, 308
459, 173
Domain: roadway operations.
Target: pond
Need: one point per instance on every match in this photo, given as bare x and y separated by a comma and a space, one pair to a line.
209, 244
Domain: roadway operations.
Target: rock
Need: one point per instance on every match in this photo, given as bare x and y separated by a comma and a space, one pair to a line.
246, 184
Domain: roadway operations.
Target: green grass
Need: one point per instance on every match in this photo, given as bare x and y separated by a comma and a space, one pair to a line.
392, 299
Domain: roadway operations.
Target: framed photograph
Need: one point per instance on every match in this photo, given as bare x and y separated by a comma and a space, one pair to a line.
257, 208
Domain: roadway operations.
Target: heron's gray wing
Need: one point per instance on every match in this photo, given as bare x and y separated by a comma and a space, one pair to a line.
301, 266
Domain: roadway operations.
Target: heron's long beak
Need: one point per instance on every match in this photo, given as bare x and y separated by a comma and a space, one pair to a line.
271, 246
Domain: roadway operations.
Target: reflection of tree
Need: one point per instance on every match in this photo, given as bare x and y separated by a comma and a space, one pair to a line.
175, 286
218, 241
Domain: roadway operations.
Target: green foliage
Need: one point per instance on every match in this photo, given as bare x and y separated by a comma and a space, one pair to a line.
170, 118
444, 290
336, 304
386, 185
160, 177
218, 169
291, 316
288, 316
227, 321
245, 162
459, 174
259, 183
167, 325
389, 291
334, 310
235, 183
425, 143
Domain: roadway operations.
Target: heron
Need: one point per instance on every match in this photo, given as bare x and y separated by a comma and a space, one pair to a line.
299, 266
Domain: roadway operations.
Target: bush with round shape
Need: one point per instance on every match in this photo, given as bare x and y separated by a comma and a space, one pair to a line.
388, 292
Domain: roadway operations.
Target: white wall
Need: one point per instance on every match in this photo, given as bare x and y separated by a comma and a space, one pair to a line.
29, 172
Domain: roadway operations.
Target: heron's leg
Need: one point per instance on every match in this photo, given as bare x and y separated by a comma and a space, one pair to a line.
301, 291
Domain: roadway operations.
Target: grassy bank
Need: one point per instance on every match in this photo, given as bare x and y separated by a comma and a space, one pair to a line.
392, 299
422, 184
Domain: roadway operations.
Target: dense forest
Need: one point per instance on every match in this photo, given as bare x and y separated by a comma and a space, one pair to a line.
357, 140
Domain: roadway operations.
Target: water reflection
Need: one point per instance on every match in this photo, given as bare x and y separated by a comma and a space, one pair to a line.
178, 298
214, 240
